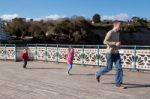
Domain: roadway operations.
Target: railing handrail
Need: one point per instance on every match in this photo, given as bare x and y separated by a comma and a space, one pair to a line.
129, 46
73, 45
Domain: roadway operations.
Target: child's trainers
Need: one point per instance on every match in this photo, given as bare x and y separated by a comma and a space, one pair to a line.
68, 73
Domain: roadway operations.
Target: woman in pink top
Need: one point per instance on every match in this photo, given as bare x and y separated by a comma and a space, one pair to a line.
69, 58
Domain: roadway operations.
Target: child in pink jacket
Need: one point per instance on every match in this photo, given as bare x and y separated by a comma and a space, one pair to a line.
69, 58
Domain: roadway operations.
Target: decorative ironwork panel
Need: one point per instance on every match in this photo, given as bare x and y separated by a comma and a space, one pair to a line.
127, 57
77, 56
10, 53
143, 59
32, 53
41, 53
2, 53
62, 54
90, 56
52, 54
102, 57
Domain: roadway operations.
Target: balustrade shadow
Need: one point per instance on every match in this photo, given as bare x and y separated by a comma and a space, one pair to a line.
35, 68
133, 85
73, 74
88, 74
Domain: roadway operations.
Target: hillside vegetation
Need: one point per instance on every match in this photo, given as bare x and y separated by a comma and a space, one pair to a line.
76, 30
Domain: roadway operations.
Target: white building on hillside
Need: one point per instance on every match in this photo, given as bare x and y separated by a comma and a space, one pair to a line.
1, 26
4, 36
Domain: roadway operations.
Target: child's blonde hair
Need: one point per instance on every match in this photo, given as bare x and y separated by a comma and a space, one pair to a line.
69, 49
25, 50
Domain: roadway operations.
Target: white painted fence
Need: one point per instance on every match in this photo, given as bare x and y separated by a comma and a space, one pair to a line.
136, 57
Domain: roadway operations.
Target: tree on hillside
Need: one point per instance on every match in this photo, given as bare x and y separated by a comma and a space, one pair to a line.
64, 29
135, 18
96, 18
81, 22
139, 21
18, 27
128, 28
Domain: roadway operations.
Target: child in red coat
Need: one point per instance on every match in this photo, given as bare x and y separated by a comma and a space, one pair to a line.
24, 57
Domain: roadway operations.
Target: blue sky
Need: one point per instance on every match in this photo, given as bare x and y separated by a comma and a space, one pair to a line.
87, 8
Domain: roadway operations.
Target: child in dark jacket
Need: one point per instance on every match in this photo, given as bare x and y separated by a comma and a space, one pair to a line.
24, 57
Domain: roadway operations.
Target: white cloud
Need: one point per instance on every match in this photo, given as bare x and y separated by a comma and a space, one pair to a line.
121, 17
55, 17
28, 19
50, 17
9, 16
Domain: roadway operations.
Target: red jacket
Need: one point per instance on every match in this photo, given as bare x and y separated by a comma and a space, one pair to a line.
24, 56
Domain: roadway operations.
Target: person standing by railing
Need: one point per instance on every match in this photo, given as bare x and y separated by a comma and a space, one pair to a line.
69, 58
24, 57
112, 55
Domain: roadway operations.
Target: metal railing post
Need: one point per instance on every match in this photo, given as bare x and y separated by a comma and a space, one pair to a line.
5, 53
15, 52
57, 55
36, 52
97, 56
134, 68
46, 53
82, 55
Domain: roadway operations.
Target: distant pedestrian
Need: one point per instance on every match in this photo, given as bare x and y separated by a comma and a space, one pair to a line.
112, 55
69, 58
24, 57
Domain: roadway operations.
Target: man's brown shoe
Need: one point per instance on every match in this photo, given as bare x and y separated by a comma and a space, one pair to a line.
98, 78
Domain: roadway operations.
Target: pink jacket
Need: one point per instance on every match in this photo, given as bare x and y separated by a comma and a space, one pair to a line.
70, 56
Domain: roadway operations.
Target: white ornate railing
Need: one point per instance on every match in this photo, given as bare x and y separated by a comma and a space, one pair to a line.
134, 57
